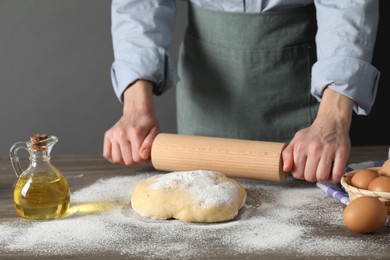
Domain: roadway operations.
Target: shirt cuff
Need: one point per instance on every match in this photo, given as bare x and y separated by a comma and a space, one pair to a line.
354, 78
153, 65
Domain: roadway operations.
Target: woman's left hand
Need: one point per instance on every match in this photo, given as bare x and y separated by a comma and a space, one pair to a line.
321, 151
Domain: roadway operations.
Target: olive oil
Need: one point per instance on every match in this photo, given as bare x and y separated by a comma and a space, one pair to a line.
41, 192
42, 196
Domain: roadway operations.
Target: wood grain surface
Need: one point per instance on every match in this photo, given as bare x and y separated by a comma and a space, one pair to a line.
233, 157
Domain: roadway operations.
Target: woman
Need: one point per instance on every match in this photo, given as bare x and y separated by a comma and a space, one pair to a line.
290, 71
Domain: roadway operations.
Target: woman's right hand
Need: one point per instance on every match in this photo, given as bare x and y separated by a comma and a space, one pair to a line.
130, 140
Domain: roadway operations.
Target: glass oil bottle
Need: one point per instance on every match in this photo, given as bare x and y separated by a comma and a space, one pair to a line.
41, 192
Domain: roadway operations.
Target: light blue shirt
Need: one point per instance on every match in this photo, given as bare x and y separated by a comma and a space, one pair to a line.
142, 34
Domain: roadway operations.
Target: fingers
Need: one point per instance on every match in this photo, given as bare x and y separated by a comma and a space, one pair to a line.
339, 164
324, 169
312, 164
316, 163
128, 144
298, 171
320, 161
107, 147
146, 147
124, 153
119, 149
294, 160
113, 151
311, 169
135, 138
116, 153
287, 157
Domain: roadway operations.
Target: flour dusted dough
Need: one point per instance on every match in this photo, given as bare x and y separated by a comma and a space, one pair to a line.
191, 196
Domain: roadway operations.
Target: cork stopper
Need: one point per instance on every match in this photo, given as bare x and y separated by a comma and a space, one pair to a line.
38, 141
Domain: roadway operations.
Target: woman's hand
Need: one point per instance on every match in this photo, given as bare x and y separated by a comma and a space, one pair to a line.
130, 140
321, 151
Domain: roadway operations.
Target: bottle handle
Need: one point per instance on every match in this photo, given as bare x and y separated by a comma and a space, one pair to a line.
13, 154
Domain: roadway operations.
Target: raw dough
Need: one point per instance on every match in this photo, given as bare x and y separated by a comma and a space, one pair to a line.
191, 196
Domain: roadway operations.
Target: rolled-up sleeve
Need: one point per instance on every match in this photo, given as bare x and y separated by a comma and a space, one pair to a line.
345, 43
142, 34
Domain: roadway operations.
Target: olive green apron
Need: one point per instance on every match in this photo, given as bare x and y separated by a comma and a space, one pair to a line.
247, 75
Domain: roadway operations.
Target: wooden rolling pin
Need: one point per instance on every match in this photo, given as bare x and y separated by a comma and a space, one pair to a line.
235, 158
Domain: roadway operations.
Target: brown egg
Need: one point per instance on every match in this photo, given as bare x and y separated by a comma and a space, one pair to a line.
362, 178
381, 183
365, 214
385, 169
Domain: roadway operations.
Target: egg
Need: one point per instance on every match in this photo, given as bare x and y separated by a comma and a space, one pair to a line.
385, 169
381, 183
365, 214
362, 178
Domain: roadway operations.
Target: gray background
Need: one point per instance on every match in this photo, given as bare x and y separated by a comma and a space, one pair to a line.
55, 59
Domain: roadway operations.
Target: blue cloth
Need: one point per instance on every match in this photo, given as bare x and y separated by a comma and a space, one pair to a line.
337, 191
142, 33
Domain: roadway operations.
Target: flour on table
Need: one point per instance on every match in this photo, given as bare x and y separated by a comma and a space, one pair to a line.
276, 218
190, 196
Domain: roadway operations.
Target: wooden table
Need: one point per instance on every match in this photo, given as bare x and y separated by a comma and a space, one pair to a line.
95, 167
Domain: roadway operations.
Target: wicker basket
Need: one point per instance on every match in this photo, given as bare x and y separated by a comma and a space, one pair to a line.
355, 193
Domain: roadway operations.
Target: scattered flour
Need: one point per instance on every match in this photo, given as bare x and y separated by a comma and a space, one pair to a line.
206, 187
276, 218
